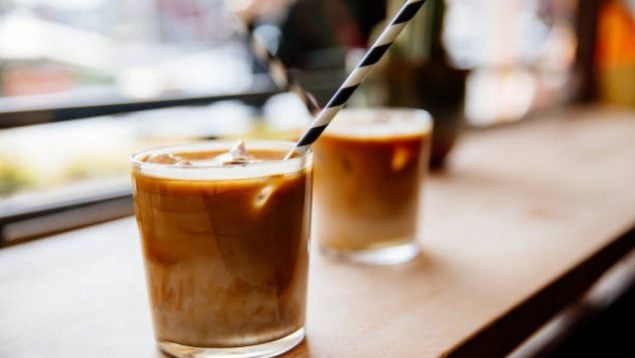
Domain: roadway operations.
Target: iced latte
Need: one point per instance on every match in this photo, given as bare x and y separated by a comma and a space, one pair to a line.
224, 235
369, 168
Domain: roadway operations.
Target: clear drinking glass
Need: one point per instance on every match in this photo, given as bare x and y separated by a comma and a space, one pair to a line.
225, 247
370, 165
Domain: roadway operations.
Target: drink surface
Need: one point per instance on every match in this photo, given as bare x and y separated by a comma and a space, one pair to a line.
368, 172
379, 124
226, 255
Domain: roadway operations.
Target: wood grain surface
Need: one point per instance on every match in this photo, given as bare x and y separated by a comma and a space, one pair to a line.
525, 218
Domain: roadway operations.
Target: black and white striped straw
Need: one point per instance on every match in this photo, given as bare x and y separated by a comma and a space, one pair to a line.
355, 78
277, 69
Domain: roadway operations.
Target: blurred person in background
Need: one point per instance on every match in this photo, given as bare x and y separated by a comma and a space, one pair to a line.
312, 34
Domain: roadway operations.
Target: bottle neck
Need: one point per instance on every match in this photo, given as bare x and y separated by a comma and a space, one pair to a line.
420, 40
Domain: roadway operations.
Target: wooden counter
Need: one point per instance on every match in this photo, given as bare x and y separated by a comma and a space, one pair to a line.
524, 220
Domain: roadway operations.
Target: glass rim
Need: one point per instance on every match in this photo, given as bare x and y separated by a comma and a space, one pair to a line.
216, 171
416, 120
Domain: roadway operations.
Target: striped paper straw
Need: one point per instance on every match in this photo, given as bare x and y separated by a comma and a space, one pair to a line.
277, 70
361, 71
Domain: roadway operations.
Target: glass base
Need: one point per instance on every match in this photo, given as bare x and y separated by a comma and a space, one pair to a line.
262, 350
384, 256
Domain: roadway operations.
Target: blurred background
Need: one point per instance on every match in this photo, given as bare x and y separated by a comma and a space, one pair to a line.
84, 83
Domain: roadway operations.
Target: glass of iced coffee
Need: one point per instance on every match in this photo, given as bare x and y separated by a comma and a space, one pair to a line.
224, 231
369, 169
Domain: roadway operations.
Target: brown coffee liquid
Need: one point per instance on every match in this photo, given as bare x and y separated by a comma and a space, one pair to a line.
367, 190
226, 260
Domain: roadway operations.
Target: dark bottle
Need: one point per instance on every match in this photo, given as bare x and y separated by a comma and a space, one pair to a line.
417, 73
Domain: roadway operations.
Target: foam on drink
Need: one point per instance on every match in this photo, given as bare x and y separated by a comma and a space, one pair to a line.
213, 160
377, 124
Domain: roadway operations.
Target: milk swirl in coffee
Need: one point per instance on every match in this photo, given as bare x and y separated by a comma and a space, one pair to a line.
224, 237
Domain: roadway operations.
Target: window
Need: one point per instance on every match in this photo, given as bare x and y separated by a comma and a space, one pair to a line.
99, 62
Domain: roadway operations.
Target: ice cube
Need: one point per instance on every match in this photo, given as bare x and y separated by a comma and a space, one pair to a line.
163, 158
237, 155
183, 163
239, 152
